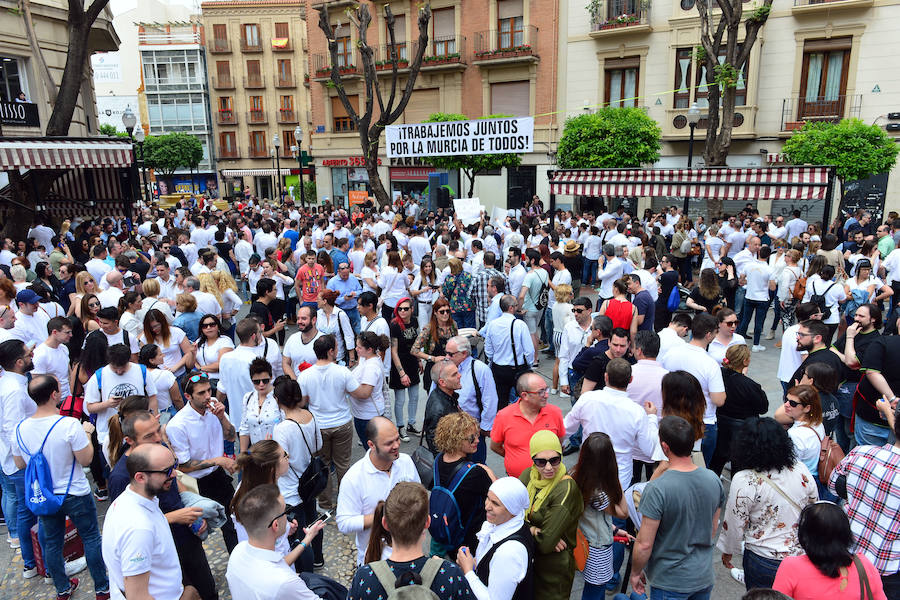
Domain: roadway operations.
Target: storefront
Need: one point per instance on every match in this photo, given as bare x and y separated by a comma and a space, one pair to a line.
345, 175
409, 176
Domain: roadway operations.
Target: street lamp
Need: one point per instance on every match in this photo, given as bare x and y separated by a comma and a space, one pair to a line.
298, 137
693, 117
129, 121
139, 138
276, 141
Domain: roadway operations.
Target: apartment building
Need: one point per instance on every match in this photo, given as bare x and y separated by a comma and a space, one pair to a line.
820, 60
258, 90
494, 57
176, 97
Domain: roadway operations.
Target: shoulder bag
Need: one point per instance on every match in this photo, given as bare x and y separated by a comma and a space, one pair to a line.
314, 478
830, 456
865, 589
519, 369
775, 487
423, 459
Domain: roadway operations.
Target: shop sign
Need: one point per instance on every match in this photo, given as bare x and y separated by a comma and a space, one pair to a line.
410, 173
351, 161
408, 161
19, 113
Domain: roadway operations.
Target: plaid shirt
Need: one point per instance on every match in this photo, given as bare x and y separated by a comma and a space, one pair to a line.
480, 293
873, 491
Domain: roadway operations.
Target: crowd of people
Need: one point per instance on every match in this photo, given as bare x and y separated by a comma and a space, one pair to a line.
134, 374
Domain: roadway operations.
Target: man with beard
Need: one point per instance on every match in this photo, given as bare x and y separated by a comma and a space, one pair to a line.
138, 547
811, 338
299, 347
370, 480
618, 348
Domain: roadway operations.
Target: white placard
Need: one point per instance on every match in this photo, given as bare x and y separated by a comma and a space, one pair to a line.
448, 138
498, 216
467, 210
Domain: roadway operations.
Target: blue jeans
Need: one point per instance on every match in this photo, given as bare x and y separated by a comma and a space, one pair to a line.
548, 327
9, 504
360, 426
633, 596
25, 519
658, 594
867, 433
83, 512
593, 592
588, 271
400, 401
353, 315
464, 318
759, 572
618, 556
710, 437
739, 295
751, 308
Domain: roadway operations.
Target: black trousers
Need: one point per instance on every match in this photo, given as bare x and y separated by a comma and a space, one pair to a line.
727, 427
306, 515
194, 565
218, 486
505, 377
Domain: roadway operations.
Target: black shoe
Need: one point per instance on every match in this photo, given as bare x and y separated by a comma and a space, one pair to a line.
569, 449
412, 429
319, 564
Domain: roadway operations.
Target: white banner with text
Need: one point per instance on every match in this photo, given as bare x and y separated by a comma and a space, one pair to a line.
513, 135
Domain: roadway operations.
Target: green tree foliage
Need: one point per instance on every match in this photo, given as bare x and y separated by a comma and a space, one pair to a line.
167, 153
473, 165
609, 138
856, 149
110, 130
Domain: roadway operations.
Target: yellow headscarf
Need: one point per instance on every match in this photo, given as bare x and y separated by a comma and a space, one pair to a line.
538, 487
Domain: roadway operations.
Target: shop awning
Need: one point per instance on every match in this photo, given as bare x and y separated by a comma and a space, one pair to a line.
253, 172
725, 183
63, 153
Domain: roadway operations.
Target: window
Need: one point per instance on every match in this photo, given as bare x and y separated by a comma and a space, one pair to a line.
511, 98
282, 30
740, 96
510, 26
284, 71
344, 47
422, 104
341, 119
621, 81
617, 8
287, 140
286, 104
258, 146
225, 103
250, 35
220, 32
256, 103
227, 145
177, 112
254, 76
823, 79
10, 79
223, 73
683, 66
399, 38
443, 31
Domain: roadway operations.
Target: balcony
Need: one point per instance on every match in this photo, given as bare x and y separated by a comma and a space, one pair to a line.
159, 38
349, 65
257, 117
795, 112
226, 117
444, 53
316, 4
810, 7
287, 116
257, 152
222, 82
383, 61
251, 45
282, 45
285, 80
675, 125
228, 153
497, 47
620, 17
254, 82
219, 46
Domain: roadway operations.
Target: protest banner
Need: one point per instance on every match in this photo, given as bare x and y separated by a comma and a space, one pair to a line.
498, 216
449, 138
467, 210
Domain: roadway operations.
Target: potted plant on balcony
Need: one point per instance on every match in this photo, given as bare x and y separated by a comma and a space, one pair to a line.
347, 69
323, 71
440, 59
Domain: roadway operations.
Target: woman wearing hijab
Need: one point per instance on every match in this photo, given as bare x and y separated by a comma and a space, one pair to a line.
555, 506
501, 568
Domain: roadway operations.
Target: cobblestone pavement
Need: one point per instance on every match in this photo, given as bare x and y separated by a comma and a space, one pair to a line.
339, 549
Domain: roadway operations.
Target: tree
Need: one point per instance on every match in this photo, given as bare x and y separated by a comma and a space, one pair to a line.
856, 150
111, 131
475, 164
167, 153
609, 138
388, 112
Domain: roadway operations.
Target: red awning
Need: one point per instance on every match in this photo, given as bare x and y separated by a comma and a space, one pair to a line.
725, 183
50, 153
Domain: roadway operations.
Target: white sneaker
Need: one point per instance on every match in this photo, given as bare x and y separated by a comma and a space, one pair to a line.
737, 574
553, 391
14, 542
76, 566
29, 573
770, 335
758, 348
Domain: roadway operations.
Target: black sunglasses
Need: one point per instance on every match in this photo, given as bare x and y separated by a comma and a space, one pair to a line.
794, 403
208, 324
288, 509
540, 463
261, 381
167, 472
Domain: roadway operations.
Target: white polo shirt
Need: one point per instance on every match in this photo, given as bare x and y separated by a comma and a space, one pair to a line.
53, 361
259, 574
701, 365
137, 539
195, 436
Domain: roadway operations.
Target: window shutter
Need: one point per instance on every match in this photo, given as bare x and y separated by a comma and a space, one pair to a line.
422, 104
337, 108
511, 98
509, 9
444, 22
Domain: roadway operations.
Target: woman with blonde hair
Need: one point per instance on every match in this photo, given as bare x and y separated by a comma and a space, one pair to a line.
19, 277
84, 284
209, 285
561, 313
150, 288
231, 301
369, 273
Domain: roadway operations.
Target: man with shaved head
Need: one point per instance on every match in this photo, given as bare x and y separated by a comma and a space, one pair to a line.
370, 480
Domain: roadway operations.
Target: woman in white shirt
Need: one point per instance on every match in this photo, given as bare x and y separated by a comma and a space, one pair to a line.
499, 544
129, 304
803, 407
820, 283
211, 345
424, 289
332, 320
866, 287
174, 343
713, 251
561, 313
261, 413
231, 301
725, 334
151, 290
370, 374
393, 284
369, 274
790, 274
168, 394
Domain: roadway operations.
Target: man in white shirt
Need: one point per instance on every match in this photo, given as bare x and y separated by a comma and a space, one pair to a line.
109, 298
508, 346
188, 247
759, 279
673, 335
206, 302
298, 351
693, 358
646, 386
370, 480
31, 320
255, 568
631, 428
63, 442
51, 357
418, 246
7, 325
138, 547
165, 280
325, 386
574, 337
777, 230
97, 266
234, 368
517, 271
197, 434
791, 357
795, 226
742, 259
612, 269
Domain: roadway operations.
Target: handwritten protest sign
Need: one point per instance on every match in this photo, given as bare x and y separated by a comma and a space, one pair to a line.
468, 210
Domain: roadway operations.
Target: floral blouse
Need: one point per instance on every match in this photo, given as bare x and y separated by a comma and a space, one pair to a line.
762, 517
456, 290
424, 343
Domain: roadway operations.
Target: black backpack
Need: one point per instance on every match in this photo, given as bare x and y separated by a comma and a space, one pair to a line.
819, 300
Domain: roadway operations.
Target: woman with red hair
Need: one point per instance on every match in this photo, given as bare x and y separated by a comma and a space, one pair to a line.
405, 367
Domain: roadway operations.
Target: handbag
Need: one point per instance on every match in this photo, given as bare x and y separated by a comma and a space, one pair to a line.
73, 404
519, 369
865, 589
581, 550
314, 478
830, 456
423, 459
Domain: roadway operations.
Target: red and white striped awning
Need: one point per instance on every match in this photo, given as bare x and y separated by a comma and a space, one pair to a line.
50, 153
253, 172
725, 183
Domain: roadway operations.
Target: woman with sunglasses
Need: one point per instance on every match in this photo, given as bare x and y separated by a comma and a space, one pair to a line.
424, 289
301, 438
555, 507
90, 306
261, 413
174, 343
725, 334
369, 371
168, 395
431, 344
405, 367
803, 407
456, 438
210, 346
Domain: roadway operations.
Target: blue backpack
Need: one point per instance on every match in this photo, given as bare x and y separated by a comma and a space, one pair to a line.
39, 496
674, 300
446, 526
